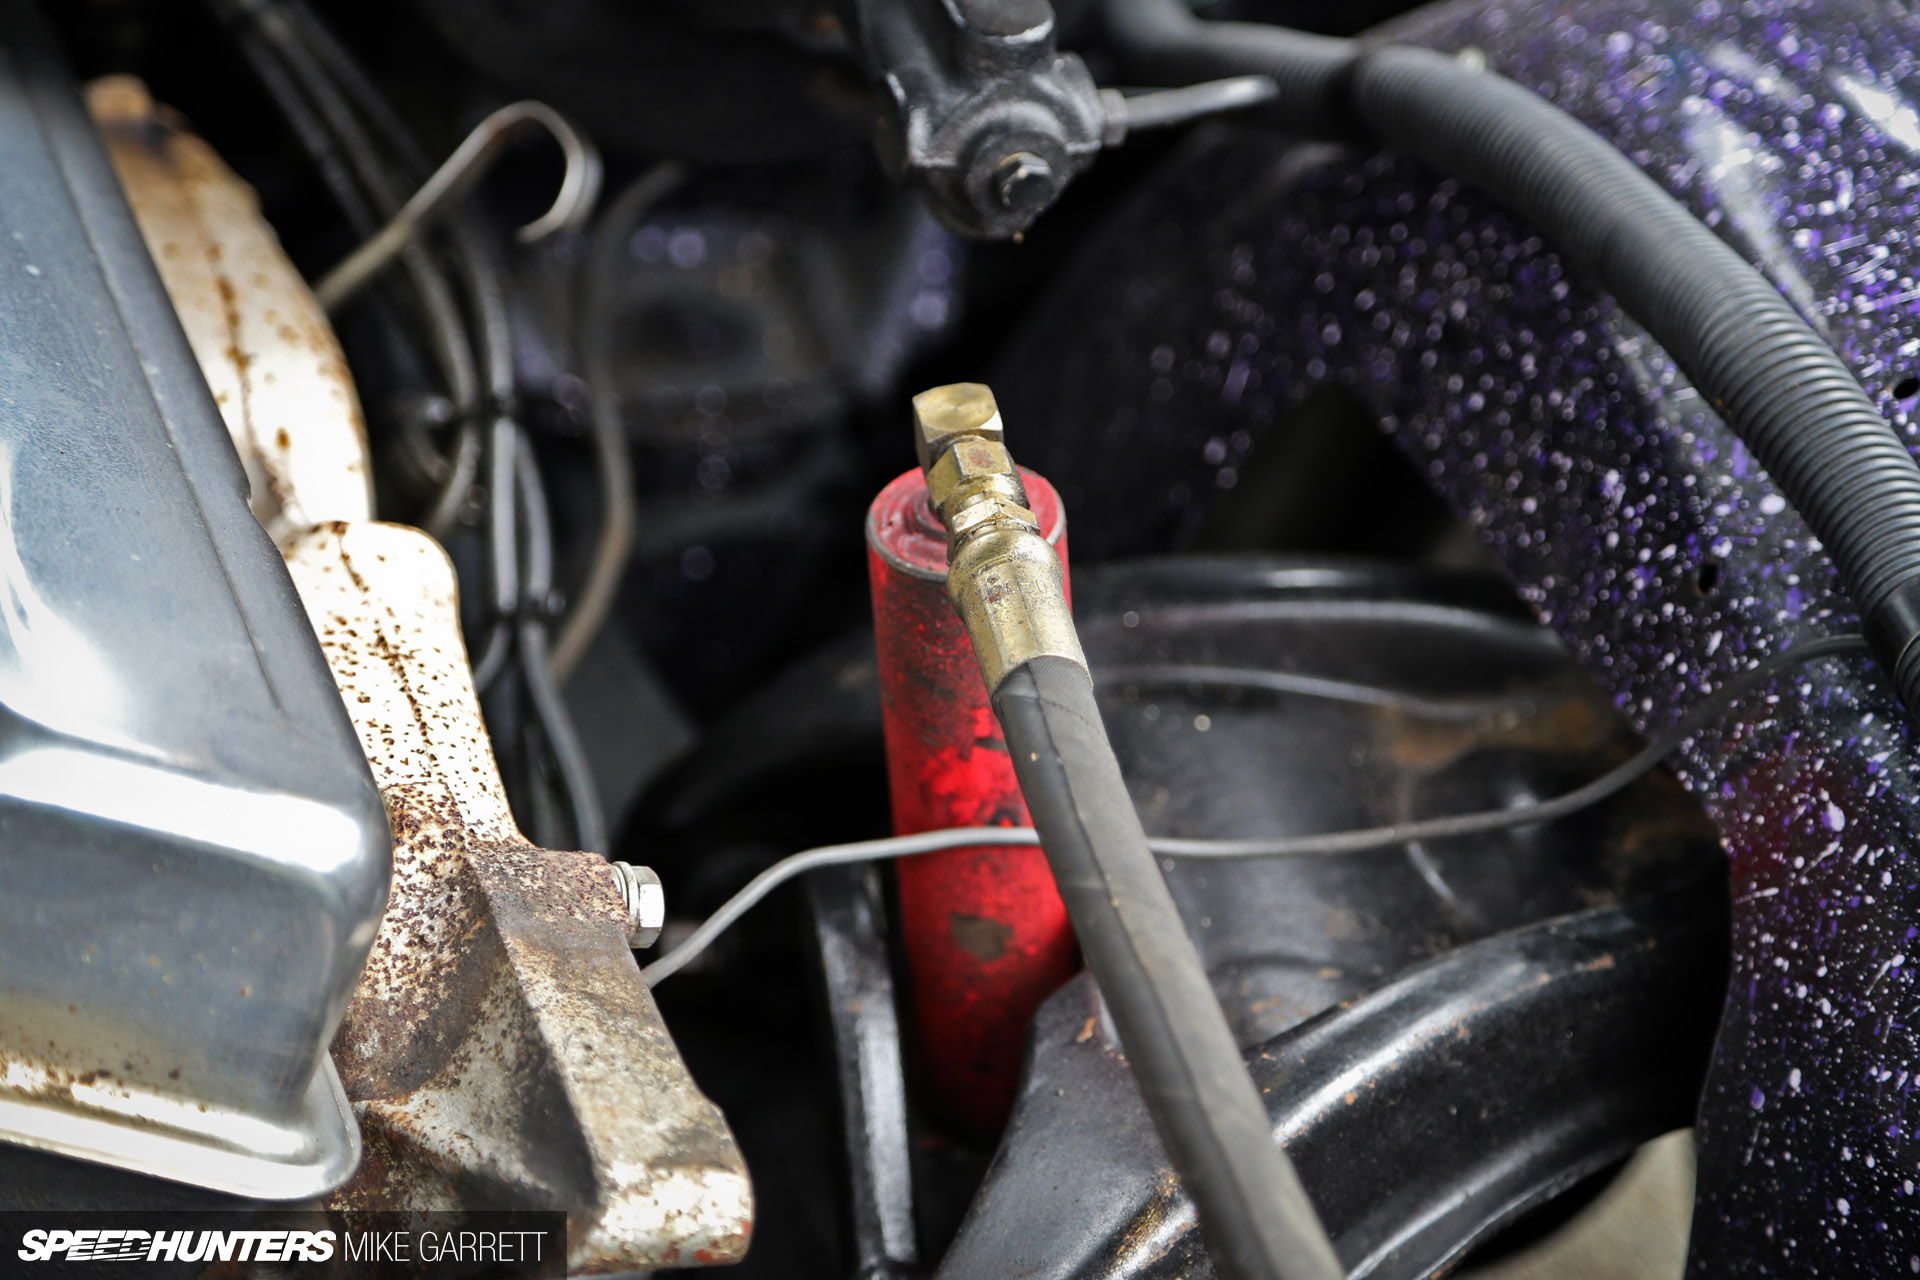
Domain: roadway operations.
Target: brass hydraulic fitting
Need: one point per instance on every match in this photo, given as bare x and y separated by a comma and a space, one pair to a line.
1002, 575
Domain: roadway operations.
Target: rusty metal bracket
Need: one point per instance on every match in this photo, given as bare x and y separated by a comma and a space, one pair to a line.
500, 1048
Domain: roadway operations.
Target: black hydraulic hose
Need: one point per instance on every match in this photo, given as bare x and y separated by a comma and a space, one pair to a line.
1773, 380
1256, 1215
1006, 582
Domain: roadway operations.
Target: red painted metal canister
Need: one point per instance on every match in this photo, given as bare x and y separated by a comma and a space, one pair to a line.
985, 934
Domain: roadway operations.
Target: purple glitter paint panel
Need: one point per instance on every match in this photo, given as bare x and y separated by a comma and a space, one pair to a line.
1629, 517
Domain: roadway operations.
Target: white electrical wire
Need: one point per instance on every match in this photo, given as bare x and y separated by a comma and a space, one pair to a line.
831, 855
1703, 714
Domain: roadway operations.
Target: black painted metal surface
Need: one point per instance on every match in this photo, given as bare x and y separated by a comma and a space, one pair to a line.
1628, 516
1251, 694
1248, 693
1421, 1116
849, 923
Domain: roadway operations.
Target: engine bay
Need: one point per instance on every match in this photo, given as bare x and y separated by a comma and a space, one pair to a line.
1094, 639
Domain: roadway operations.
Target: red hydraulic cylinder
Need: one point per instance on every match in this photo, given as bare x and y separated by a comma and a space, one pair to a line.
984, 931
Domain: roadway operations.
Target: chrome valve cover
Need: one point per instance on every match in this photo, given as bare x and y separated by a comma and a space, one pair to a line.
193, 855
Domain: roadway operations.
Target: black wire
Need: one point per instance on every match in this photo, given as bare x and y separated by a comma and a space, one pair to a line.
369, 161
501, 540
263, 40
500, 535
494, 653
462, 471
352, 78
307, 130
521, 590
320, 56
612, 453
386, 189
536, 668
562, 741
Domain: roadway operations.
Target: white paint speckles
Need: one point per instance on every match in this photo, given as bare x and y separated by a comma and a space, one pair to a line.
1619, 461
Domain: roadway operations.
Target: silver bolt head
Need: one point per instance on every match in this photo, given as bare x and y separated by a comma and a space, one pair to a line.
646, 903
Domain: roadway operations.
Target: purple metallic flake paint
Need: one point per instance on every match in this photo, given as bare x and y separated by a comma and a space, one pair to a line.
1629, 517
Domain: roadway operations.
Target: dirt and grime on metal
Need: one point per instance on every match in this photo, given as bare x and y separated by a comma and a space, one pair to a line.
501, 1046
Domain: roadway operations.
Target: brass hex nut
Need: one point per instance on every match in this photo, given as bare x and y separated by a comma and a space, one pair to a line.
946, 414
970, 469
972, 458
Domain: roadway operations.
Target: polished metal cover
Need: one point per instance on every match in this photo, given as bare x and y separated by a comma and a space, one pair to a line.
193, 855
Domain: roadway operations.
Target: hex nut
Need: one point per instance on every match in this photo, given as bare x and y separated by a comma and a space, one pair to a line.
646, 903
970, 461
953, 412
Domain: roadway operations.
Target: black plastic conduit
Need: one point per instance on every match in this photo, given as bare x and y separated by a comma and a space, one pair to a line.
1773, 380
